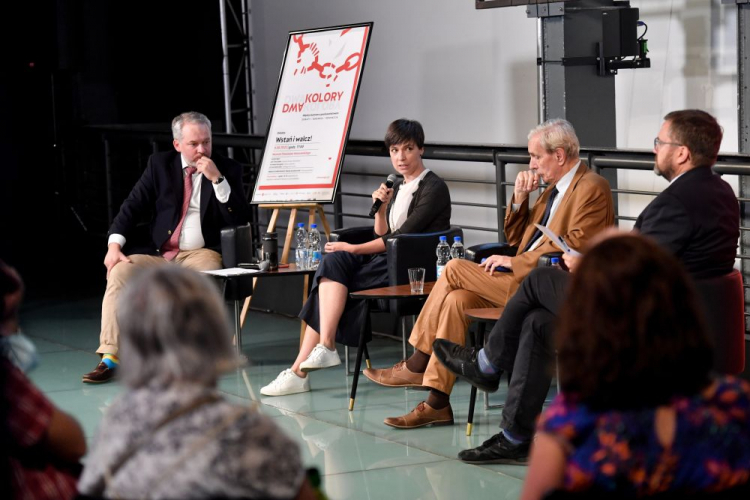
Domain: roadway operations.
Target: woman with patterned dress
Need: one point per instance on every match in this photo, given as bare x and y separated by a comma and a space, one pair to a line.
639, 413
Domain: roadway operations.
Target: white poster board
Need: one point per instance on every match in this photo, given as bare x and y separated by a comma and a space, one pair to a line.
312, 115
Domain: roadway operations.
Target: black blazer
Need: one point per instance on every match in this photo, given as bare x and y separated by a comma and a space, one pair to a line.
697, 218
157, 199
429, 210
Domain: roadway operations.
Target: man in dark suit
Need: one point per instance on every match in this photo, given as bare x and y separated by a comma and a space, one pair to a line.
696, 217
188, 195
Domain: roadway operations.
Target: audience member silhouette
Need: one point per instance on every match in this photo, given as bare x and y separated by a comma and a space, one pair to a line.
639, 412
172, 434
40, 445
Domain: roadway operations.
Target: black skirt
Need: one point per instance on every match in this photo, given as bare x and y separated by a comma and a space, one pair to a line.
355, 272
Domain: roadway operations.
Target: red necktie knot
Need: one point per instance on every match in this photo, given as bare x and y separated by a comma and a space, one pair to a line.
171, 247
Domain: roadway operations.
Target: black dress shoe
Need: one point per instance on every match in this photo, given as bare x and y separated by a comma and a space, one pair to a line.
489, 442
497, 450
462, 361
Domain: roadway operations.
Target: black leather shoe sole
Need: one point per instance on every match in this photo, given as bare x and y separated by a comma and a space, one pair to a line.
501, 451
467, 370
500, 460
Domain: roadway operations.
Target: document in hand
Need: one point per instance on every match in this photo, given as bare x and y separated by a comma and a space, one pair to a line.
557, 240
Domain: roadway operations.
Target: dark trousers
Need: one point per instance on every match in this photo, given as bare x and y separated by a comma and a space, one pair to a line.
355, 272
521, 344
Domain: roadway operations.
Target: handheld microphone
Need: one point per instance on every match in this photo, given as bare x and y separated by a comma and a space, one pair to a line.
389, 184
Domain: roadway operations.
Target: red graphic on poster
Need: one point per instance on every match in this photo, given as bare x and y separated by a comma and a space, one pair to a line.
326, 70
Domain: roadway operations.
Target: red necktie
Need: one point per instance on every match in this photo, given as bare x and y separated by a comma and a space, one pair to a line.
171, 247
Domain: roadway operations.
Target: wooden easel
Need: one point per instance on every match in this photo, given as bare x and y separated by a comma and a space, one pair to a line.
312, 208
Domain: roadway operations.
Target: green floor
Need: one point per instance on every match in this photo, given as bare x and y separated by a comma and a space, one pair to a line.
358, 456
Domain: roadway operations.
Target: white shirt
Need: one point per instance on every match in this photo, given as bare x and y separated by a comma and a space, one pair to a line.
562, 186
191, 236
672, 181
400, 209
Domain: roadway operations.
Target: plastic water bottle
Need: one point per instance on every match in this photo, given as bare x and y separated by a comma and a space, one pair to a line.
313, 247
300, 254
443, 253
457, 249
555, 262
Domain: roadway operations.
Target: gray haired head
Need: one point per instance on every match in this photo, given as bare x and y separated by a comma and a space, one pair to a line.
189, 117
173, 329
557, 133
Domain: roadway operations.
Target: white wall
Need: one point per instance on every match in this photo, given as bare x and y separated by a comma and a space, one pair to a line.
470, 77
693, 65
439, 61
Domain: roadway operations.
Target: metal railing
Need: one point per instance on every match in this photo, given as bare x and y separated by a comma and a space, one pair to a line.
495, 156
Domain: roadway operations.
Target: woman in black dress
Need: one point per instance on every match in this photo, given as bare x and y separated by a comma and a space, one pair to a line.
418, 204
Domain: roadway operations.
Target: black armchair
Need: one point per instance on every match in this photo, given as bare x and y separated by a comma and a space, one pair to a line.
404, 251
546, 259
478, 252
723, 300
354, 235
236, 247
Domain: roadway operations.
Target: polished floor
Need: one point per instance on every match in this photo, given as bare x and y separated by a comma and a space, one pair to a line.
357, 455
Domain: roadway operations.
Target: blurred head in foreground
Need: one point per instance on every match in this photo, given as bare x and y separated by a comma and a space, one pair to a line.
631, 334
174, 329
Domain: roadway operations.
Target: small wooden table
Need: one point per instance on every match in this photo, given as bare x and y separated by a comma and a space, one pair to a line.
290, 270
399, 292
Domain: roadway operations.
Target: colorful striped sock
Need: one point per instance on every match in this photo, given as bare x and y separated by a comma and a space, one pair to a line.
110, 360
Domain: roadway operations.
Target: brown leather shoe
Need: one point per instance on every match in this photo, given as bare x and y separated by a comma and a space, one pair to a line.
102, 373
396, 376
421, 416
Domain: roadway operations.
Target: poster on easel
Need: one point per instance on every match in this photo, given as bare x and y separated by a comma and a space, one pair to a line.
312, 115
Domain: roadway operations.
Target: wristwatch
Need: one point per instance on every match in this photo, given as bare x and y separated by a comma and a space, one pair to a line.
219, 180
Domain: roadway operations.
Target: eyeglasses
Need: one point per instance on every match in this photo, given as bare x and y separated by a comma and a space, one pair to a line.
658, 142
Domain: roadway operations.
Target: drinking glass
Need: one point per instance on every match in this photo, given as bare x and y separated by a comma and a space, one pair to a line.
416, 279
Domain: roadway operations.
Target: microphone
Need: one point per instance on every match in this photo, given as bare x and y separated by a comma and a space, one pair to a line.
389, 184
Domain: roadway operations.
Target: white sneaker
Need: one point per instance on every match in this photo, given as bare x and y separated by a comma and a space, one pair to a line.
320, 357
286, 383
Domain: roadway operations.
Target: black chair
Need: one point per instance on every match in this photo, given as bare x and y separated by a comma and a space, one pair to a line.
723, 300
237, 247
478, 252
403, 251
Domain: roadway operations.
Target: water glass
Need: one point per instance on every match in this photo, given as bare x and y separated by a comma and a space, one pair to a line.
416, 279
